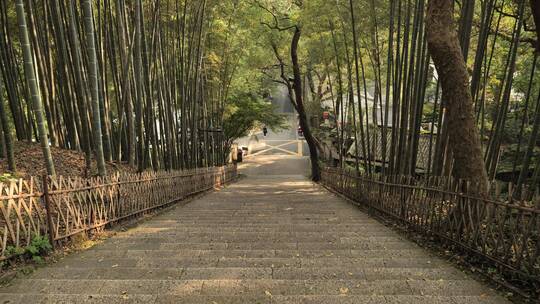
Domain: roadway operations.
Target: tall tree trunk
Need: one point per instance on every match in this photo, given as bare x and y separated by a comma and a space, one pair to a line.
524, 173
365, 143
126, 58
314, 155
77, 70
535, 9
139, 88
9, 70
8, 140
339, 104
29, 70
104, 101
93, 78
444, 48
66, 93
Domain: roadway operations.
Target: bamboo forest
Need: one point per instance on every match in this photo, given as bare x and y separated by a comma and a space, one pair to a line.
269, 151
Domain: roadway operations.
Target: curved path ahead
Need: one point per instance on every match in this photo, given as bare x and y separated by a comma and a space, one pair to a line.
274, 237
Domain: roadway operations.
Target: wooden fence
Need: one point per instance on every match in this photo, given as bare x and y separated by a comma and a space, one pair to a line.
64, 206
426, 148
506, 234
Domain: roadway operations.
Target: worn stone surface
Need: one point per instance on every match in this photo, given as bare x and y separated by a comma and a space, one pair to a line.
271, 238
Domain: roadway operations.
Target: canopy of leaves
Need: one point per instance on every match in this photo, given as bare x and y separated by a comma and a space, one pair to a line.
247, 111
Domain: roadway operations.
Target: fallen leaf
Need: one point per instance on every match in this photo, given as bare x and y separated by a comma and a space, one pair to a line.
114, 266
343, 290
266, 292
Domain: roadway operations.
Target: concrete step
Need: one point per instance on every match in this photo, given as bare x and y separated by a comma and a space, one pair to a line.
254, 253
265, 240
252, 287
275, 262
141, 245
243, 273
173, 299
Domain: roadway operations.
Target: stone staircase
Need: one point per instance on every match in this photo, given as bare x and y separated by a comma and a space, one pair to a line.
266, 239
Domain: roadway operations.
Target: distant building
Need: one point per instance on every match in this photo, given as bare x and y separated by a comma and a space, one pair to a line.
375, 111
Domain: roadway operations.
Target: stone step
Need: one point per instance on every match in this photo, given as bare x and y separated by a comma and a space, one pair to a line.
134, 253
179, 233
243, 273
254, 238
253, 287
361, 228
275, 262
127, 244
308, 237
265, 240
277, 299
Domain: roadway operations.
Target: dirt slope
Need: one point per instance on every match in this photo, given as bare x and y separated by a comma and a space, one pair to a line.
29, 162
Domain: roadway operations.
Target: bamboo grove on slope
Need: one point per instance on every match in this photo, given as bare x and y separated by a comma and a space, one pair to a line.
498, 42
119, 80
159, 101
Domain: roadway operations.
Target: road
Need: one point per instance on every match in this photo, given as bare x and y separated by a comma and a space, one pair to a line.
279, 142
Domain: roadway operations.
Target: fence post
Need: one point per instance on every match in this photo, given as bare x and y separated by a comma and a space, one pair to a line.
118, 196
47, 200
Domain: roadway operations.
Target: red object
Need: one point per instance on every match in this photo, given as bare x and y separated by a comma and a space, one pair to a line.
326, 115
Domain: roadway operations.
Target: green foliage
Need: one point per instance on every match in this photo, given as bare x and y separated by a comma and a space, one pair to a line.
14, 251
39, 246
239, 64
510, 155
428, 114
38, 259
6, 177
246, 111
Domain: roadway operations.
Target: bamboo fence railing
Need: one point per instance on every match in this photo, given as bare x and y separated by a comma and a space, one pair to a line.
61, 207
503, 232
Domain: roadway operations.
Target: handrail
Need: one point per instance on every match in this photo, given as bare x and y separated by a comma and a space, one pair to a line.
66, 206
505, 234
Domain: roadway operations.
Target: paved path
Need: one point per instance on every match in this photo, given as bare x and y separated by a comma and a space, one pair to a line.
268, 239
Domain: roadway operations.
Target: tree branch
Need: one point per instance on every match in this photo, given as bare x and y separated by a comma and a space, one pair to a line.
274, 26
